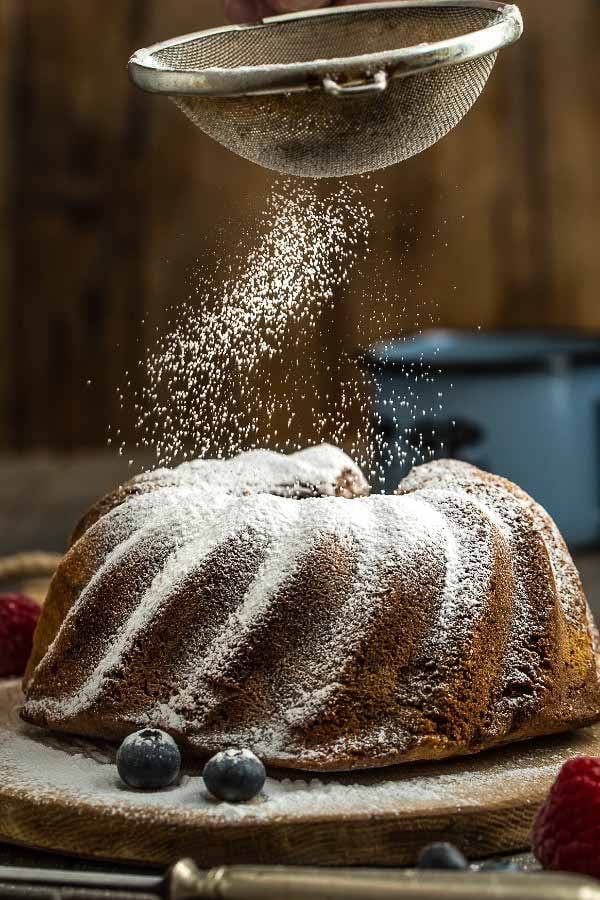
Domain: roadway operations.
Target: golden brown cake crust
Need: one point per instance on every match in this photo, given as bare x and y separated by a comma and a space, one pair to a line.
325, 633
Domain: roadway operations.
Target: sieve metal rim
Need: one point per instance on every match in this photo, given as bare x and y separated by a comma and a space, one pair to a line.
278, 78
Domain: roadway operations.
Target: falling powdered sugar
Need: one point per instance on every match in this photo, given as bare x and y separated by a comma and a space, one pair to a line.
202, 377
245, 362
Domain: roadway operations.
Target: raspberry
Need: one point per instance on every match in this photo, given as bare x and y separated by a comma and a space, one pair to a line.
566, 833
18, 618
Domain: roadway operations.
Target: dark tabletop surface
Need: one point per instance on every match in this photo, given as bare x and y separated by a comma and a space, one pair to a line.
11, 855
14, 856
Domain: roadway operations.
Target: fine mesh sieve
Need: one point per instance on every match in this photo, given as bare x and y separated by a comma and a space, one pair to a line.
337, 91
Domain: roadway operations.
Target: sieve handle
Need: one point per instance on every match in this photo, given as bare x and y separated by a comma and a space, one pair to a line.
372, 84
186, 882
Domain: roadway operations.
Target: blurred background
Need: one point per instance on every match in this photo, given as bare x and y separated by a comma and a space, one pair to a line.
109, 197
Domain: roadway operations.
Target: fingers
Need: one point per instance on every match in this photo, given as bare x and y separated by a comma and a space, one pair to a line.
238, 10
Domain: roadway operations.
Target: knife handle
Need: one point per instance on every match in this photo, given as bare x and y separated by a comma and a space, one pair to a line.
186, 882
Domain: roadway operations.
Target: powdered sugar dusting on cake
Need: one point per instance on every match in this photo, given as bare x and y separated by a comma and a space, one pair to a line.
317, 468
452, 568
515, 515
469, 567
389, 541
208, 532
129, 526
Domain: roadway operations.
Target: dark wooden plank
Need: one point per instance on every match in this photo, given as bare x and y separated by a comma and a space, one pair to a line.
569, 74
10, 11
78, 229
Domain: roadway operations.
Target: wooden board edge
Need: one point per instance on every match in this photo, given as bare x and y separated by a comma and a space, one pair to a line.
385, 840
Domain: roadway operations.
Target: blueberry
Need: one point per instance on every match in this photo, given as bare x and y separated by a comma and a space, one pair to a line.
441, 856
234, 775
149, 759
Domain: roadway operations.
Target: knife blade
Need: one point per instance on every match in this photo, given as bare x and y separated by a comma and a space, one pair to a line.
151, 884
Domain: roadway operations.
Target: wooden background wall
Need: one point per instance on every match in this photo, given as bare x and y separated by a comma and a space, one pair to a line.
107, 197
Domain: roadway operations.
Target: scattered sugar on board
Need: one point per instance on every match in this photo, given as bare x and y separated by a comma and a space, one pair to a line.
33, 764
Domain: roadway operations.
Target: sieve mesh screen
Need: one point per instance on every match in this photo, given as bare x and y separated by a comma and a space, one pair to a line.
317, 135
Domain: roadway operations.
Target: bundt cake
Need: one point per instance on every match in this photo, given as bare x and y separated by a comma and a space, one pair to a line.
267, 602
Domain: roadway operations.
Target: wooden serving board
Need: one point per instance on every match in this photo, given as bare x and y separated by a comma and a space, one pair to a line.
63, 794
